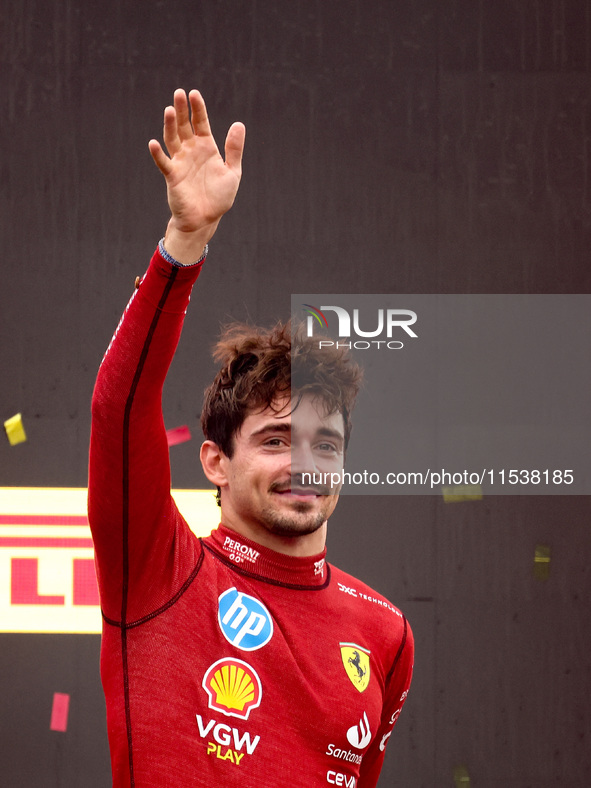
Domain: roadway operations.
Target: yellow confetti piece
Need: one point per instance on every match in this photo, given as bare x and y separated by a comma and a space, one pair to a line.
461, 777
542, 562
15, 430
464, 492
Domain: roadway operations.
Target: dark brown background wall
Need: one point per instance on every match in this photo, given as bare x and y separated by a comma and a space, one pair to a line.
393, 146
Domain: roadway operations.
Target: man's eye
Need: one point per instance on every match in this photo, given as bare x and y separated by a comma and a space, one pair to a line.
275, 442
327, 447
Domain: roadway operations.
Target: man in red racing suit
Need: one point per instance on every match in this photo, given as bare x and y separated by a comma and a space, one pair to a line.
242, 659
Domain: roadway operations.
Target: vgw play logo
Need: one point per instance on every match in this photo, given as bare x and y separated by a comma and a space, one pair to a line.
389, 324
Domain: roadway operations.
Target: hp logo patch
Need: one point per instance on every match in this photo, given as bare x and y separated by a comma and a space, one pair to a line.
244, 621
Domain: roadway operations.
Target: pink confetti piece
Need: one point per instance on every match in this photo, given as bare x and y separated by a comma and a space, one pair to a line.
178, 435
59, 712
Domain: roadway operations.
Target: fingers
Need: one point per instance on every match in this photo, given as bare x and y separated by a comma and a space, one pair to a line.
235, 146
183, 121
199, 114
160, 158
171, 133
181, 126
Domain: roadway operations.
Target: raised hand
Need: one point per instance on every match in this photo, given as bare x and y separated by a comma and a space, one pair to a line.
201, 186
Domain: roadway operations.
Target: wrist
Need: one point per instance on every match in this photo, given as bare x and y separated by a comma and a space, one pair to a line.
187, 246
173, 261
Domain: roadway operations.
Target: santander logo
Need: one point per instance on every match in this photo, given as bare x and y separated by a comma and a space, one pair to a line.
359, 736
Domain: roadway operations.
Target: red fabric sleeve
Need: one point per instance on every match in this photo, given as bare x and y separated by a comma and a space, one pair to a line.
397, 688
144, 549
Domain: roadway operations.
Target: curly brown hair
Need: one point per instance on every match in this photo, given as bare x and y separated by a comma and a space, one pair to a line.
260, 366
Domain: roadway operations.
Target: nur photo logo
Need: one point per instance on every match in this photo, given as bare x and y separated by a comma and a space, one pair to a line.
388, 325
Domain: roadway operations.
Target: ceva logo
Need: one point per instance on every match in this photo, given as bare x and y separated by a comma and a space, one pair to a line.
387, 321
338, 778
245, 622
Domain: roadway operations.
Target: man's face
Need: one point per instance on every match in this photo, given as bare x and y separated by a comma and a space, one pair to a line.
272, 450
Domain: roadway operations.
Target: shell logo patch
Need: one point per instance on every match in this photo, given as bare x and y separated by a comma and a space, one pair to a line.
356, 664
233, 687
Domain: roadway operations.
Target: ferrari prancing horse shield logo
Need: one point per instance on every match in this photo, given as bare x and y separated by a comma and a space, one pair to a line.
356, 663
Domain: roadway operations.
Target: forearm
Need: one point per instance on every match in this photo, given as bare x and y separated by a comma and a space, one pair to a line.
145, 340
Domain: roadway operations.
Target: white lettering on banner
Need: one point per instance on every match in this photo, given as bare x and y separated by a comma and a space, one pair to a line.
240, 552
337, 778
225, 735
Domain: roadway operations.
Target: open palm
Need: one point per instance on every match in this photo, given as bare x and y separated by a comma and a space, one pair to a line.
201, 186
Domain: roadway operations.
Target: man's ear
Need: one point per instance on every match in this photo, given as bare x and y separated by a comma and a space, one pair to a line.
214, 463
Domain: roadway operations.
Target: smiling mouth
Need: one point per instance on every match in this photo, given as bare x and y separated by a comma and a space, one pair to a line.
296, 488
301, 493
